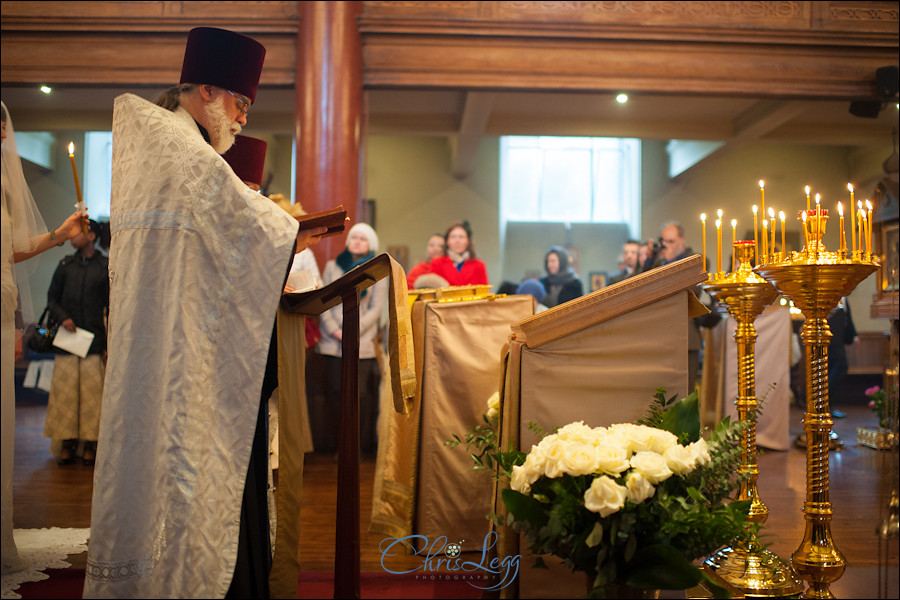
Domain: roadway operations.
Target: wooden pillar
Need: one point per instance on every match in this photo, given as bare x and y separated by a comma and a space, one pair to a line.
329, 113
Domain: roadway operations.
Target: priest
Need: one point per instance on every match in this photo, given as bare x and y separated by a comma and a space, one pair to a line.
197, 266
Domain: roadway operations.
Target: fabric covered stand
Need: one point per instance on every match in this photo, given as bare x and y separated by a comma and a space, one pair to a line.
422, 486
597, 359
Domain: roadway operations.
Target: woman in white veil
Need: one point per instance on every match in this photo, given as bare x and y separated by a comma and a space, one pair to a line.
24, 235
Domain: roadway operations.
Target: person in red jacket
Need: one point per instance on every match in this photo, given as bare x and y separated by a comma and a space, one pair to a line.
434, 249
459, 265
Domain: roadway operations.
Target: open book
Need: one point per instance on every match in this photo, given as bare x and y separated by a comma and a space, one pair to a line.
334, 219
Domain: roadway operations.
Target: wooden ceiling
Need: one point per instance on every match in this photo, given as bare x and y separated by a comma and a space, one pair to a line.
729, 72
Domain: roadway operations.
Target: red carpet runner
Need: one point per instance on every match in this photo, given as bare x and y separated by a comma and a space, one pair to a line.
69, 583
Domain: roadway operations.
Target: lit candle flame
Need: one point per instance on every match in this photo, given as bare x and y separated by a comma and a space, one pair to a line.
850, 187
703, 217
71, 148
762, 184
771, 213
840, 209
719, 212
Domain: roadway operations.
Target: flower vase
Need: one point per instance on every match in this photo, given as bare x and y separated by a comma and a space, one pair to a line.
617, 589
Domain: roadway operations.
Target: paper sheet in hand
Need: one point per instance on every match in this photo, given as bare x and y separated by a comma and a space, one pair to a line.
77, 343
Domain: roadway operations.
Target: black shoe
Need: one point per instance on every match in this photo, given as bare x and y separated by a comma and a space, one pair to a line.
67, 454
89, 456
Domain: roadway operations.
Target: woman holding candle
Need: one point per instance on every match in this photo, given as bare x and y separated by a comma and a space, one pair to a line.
24, 235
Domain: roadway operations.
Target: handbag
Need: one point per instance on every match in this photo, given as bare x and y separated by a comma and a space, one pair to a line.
41, 339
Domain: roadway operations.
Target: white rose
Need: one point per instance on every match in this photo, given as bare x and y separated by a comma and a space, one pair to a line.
611, 460
493, 406
680, 459
519, 481
605, 496
534, 464
577, 432
662, 440
638, 488
553, 459
618, 438
547, 441
652, 466
579, 459
641, 438
700, 451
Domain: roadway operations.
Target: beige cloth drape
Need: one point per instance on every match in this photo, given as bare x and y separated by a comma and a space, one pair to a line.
603, 374
461, 371
294, 440
772, 368
425, 487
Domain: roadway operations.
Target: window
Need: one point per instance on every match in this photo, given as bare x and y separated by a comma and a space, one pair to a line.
570, 180
98, 173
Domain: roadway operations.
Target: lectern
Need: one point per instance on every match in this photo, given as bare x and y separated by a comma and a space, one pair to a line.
598, 358
425, 488
346, 291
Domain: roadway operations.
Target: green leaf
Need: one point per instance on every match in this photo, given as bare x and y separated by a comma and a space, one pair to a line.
595, 537
524, 508
683, 418
662, 567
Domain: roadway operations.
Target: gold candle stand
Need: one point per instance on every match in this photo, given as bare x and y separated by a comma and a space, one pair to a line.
815, 280
754, 570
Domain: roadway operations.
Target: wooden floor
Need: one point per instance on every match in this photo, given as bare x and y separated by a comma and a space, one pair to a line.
48, 495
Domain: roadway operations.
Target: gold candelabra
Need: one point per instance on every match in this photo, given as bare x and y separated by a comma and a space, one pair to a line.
747, 566
815, 280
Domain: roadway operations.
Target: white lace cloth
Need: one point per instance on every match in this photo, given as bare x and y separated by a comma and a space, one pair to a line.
42, 549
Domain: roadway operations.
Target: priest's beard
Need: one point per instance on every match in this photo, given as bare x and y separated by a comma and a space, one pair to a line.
222, 128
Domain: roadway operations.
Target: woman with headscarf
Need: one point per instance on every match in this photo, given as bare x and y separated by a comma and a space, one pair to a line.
561, 282
362, 244
24, 235
459, 265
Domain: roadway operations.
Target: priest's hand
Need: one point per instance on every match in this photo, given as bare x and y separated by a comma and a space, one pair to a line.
308, 237
68, 324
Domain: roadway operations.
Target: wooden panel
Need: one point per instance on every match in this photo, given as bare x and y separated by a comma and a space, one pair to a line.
593, 65
689, 18
133, 43
147, 16
870, 355
121, 58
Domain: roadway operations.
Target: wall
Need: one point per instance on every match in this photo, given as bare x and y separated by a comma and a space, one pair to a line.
54, 194
415, 196
732, 184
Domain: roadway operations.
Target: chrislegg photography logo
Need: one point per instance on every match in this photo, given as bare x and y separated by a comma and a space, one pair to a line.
443, 560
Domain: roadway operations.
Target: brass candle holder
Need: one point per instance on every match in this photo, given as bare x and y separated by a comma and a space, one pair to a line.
747, 566
815, 280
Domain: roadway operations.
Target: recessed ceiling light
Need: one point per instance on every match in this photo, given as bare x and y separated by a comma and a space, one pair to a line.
622, 98
46, 89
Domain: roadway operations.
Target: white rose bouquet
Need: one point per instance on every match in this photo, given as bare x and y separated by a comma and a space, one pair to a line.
631, 503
